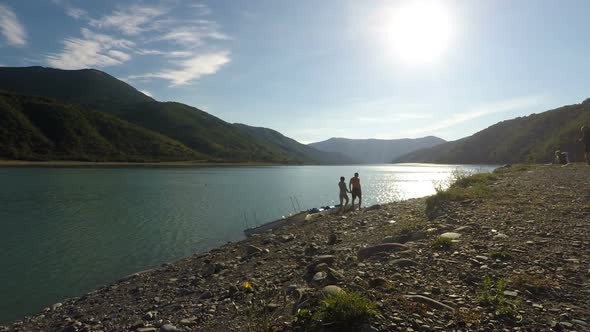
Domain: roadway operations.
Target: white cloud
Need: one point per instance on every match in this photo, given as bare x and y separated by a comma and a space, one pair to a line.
93, 50
130, 21
193, 35
191, 69
168, 54
147, 93
76, 13
12, 29
478, 112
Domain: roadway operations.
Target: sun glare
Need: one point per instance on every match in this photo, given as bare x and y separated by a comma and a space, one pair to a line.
419, 31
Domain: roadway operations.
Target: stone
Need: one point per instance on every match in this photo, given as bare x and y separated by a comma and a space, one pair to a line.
188, 321
206, 295
319, 276
146, 329
232, 290
332, 239
379, 248
287, 237
330, 290
251, 250
321, 267
334, 275
450, 235
404, 262
327, 259
378, 282
510, 293
373, 207
168, 328
150, 315
429, 302
500, 236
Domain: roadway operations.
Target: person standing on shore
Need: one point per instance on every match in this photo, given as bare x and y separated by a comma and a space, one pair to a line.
355, 189
584, 139
343, 194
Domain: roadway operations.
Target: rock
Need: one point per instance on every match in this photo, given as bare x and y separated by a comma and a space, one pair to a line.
379, 248
450, 235
404, 262
287, 237
327, 259
334, 275
429, 302
168, 328
321, 267
373, 207
311, 250
580, 322
378, 282
150, 315
146, 329
510, 293
188, 321
330, 290
251, 250
500, 236
368, 328
206, 295
319, 277
332, 239
232, 290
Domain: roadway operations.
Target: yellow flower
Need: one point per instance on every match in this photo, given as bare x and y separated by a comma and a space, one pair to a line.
247, 285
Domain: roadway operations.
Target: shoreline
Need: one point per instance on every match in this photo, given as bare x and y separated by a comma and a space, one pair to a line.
524, 228
114, 164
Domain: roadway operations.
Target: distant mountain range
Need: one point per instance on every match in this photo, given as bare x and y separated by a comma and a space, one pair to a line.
194, 134
533, 138
375, 151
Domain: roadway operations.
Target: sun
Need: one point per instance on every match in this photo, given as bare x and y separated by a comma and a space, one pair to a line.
419, 31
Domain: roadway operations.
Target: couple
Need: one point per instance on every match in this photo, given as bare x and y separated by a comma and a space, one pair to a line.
354, 188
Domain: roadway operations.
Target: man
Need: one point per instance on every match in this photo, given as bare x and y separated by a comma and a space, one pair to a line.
343, 194
586, 140
355, 189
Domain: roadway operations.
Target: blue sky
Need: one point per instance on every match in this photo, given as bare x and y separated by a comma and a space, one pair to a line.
319, 69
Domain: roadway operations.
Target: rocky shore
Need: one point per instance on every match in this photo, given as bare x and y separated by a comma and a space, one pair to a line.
510, 251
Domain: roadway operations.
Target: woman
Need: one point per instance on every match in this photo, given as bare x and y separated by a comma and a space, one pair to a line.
343, 195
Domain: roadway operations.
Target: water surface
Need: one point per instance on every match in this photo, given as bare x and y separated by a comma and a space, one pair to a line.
67, 231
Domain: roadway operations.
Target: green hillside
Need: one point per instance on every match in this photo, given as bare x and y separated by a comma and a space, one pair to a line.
533, 138
198, 130
36, 128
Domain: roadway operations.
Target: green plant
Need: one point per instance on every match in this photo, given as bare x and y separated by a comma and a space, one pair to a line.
346, 311
442, 243
262, 315
493, 296
460, 186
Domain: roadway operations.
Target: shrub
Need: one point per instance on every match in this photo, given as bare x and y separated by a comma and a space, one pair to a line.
346, 311
493, 296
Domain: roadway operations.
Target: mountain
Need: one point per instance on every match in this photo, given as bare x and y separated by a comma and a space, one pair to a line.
375, 151
36, 128
205, 134
532, 138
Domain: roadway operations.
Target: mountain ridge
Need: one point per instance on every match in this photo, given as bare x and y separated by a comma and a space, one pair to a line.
202, 132
373, 150
532, 138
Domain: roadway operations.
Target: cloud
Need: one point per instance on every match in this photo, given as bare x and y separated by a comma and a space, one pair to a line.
191, 69
193, 35
168, 54
147, 93
478, 112
93, 50
76, 13
12, 29
130, 21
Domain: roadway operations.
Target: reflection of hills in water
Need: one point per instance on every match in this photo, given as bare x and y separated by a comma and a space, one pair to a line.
101, 224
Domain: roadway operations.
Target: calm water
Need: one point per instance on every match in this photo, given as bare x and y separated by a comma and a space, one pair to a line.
67, 231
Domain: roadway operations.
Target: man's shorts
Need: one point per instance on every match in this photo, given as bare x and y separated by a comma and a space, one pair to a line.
356, 192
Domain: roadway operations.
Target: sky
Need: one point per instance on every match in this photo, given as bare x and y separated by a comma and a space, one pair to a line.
319, 69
